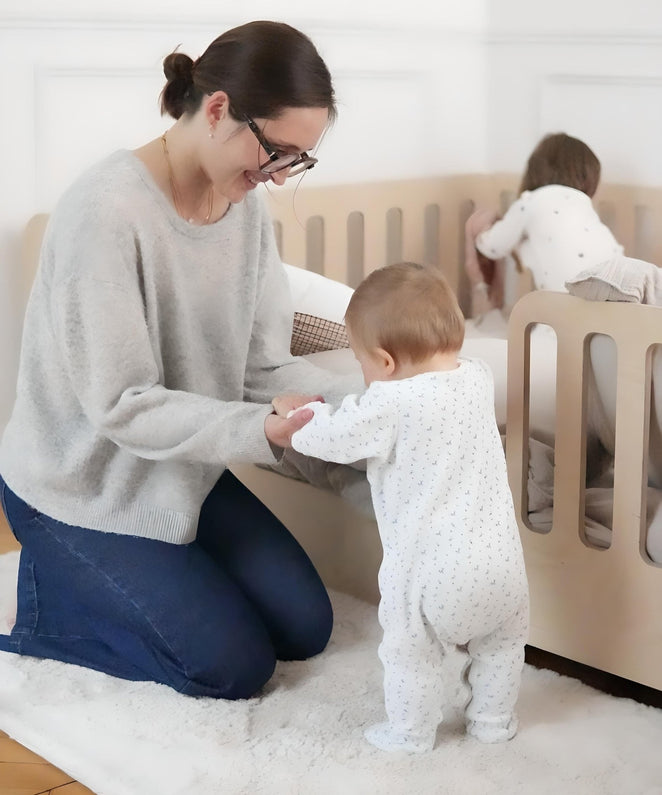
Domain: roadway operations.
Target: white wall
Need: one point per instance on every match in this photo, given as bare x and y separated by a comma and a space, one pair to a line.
591, 68
80, 79
423, 87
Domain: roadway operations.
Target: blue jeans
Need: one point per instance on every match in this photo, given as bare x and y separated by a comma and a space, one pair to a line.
208, 618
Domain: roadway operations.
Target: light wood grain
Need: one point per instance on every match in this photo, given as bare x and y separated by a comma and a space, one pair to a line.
7, 540
22, 772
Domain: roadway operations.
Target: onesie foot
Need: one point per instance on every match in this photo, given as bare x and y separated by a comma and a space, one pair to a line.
495, 731
384, 737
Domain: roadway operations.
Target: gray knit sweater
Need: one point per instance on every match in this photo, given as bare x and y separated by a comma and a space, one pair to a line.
151, 351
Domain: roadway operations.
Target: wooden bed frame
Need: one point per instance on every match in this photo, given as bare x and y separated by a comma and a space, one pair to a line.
598, 607
602, 608
346, 231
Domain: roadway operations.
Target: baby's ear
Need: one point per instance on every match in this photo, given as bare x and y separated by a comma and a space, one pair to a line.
385, 361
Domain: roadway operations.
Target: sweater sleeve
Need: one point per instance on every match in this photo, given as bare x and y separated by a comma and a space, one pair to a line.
364, 427
100, 330
502, 237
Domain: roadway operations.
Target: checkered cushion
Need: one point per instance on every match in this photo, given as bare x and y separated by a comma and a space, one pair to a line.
311, 334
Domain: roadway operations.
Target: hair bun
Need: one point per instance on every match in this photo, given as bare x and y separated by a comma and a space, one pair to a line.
178, 67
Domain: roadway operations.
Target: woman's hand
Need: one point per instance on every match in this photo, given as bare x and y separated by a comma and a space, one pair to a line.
284, 404
279, 430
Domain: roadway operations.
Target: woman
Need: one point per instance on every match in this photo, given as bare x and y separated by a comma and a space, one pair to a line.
156, 335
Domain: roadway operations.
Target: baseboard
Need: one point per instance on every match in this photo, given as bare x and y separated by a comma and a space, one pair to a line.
600, 680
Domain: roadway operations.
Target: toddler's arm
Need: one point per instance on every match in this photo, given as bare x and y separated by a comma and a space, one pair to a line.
481, 271
360, 428
503, 235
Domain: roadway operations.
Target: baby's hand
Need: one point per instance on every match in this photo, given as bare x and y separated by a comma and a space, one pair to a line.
480, 220
474, 262
285, 405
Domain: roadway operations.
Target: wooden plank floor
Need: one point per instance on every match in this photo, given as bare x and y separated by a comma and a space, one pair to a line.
21, 771
25, 773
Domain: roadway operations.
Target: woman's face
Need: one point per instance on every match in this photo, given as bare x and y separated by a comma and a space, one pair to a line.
234, 162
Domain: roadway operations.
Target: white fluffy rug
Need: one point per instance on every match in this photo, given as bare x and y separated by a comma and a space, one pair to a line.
304, 734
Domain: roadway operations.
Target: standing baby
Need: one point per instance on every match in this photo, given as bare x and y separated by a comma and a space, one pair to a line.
453, 570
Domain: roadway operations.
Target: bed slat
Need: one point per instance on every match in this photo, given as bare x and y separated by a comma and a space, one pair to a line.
598, 607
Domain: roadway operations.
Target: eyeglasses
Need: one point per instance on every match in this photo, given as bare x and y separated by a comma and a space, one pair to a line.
278, 161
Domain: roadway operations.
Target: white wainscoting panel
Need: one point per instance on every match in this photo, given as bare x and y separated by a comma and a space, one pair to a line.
603, 87
93, 103
371, 140
620, 117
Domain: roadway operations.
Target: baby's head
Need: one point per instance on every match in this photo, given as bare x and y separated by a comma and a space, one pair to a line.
560, 159
403, 319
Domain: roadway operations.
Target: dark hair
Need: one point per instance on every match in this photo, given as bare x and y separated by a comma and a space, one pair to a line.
263, 67
408, 310
560, 159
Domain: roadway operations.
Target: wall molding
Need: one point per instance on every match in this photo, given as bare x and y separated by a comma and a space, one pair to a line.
621, 81
577, 38
366, 28
432, 29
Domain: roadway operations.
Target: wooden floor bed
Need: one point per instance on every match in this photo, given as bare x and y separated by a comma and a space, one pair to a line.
600, 607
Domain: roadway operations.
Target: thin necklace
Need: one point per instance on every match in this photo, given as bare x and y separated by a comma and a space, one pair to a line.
175, 192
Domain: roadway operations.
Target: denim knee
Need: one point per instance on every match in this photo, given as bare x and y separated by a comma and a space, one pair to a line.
242, 676
309, 633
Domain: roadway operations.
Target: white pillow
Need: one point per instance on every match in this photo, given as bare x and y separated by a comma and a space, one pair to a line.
319, 305
314, 294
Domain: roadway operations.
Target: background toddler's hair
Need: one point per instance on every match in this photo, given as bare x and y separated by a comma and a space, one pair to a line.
560, 159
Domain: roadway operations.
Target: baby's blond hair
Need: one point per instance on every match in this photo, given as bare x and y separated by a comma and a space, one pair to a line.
408, 310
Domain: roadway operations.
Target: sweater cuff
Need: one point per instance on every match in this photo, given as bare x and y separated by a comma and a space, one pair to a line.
252, 446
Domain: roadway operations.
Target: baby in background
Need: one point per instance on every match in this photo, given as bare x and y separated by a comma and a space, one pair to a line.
552, 228
453, 571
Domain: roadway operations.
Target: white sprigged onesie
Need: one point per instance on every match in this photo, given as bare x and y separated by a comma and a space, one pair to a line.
556, 233
453, 570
